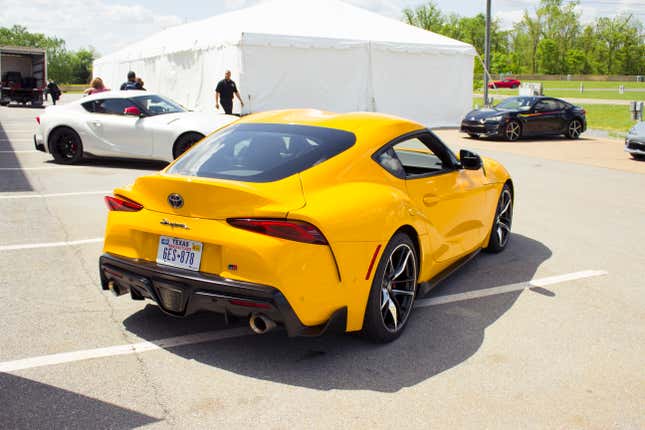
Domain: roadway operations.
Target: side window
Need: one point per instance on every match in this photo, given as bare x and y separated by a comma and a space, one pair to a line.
111, 106
540, 106
417, 156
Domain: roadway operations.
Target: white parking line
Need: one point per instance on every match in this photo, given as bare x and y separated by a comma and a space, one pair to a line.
42, 168
18, 152
49, 244
47, 196
210, 336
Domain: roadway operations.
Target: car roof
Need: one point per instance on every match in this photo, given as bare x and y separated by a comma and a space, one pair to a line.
362, 124
117, 95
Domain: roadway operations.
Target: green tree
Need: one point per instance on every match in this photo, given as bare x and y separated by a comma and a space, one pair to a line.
428, 17
576, 61
547, 57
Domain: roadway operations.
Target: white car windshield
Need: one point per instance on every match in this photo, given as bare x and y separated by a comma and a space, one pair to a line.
516, 103
157, 105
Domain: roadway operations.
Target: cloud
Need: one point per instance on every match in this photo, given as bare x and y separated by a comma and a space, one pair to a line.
81, 23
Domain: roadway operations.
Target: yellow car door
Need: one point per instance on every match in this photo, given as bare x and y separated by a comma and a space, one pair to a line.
451, 200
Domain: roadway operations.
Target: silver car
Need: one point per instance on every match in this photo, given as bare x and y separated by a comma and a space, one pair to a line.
635, 141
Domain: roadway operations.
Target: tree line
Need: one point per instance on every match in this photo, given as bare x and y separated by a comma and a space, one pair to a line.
551, 39
63, 65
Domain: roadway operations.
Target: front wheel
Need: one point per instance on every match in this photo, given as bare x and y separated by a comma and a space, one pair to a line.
185, 142
393, 290
512, 131
473, 135
501, 231
65, 146
574, 129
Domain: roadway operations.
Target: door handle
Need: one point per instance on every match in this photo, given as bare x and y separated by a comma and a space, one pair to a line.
430, 199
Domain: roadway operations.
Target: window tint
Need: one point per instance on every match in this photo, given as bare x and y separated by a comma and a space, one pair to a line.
547, 105
417, 156
108, 106
262, 152
157, 105
516, 103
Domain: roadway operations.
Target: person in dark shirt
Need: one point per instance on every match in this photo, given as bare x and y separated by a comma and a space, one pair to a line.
224, 92
131, 83
53, 91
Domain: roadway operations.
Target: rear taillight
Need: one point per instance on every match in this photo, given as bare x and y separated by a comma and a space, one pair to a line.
38, 119
122, 204
299, 231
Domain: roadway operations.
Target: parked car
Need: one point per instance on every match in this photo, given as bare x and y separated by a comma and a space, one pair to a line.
505, 83
133, 124
306, 219
635, 141
525, 116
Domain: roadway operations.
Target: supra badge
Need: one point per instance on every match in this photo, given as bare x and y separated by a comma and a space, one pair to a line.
175, 200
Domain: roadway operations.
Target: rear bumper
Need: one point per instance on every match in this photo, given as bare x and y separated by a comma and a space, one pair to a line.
181, 293
39, 143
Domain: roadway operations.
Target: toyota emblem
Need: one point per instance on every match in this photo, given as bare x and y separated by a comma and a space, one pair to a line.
175, 200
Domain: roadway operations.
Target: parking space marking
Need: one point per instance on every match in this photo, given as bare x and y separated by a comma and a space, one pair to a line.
19, 152
541, 282
67, 357
49, 244
42, 168
210, 336
47, 196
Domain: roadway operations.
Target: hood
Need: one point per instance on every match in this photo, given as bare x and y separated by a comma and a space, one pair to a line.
477, 114
203, 122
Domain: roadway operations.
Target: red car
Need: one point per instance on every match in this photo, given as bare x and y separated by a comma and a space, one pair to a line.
505, 83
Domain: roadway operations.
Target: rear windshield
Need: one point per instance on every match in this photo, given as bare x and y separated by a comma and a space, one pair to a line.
262, 152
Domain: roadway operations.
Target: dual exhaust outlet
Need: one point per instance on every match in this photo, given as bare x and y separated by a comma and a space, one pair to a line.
261, 324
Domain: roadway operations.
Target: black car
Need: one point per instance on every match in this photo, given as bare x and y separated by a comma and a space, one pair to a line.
523, 116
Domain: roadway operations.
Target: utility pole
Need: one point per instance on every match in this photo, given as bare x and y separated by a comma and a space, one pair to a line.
487, 52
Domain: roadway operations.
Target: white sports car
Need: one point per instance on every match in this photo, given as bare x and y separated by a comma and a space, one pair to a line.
133, 124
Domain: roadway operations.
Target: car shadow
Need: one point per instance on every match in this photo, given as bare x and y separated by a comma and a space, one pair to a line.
554, 138
436, 339
28, 404
11, 180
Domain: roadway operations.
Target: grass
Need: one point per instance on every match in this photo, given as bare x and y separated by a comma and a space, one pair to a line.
615, 119
573, 94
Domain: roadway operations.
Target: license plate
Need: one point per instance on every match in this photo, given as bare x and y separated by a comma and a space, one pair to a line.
181, 253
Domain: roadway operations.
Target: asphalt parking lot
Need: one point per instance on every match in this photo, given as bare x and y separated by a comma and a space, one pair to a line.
548, 334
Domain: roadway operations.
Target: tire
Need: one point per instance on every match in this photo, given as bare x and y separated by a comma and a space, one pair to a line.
185, 142
639, 157
387, 311
512, 131
65, 146
574, 129
514, 86
500, 233
473, 135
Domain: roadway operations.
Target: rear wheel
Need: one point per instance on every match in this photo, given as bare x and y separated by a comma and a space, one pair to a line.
393, 290
512, 131
501, 232
574, 129
184, 143
65, 146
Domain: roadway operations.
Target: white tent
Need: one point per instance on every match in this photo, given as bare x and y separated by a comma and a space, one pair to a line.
321, 54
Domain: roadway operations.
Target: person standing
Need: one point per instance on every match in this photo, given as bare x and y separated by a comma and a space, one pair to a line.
53, 91
131, 83
224, 92
96, 86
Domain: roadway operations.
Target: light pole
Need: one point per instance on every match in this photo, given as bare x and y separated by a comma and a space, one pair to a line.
487, 52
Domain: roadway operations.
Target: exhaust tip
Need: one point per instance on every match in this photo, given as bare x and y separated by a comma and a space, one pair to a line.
260, 324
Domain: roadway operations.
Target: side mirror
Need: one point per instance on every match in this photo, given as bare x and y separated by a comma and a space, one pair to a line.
132, 111
469, 160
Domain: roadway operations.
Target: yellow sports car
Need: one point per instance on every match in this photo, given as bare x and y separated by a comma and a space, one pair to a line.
306, 219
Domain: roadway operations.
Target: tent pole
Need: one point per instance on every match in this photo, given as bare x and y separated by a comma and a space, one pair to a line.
487, 53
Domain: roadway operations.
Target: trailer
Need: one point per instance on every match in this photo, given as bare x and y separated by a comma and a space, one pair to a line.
23, 75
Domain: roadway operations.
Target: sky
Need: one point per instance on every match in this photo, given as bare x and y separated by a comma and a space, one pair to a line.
108, 25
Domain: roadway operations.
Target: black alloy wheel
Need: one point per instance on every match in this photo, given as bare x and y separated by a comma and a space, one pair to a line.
185, 142
393, 290
512, 131
501, 231
574, 129
65, 146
